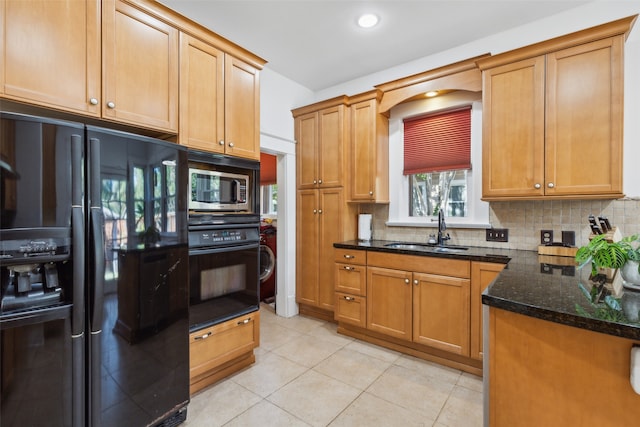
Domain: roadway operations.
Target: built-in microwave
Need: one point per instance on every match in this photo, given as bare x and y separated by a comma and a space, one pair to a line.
212, 190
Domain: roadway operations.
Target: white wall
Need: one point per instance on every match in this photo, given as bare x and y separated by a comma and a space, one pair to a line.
280, 95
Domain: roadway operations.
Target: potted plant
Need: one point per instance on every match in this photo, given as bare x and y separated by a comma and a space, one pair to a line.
605, 257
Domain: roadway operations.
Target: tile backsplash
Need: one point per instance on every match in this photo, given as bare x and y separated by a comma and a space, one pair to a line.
524, 219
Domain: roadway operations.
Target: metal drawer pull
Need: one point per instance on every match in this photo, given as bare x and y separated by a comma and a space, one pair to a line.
346, 267
349, 256
202, 337
244, 322
349, 298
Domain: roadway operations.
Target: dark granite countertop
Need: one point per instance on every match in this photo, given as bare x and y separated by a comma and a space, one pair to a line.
527, 286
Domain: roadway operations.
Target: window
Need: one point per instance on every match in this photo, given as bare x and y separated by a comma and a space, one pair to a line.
421, 191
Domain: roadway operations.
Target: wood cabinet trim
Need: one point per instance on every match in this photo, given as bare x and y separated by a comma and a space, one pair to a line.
614, 28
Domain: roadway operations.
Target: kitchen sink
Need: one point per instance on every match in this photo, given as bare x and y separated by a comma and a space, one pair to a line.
426, 247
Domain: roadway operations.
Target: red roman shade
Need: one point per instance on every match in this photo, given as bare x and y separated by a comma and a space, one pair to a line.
268, 169
438, 142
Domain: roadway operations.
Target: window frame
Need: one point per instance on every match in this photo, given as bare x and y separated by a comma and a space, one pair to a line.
478, 210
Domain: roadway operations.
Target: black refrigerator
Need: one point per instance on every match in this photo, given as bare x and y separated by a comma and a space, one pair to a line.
94, 276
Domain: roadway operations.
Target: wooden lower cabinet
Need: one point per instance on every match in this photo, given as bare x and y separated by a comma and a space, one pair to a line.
423, 306
218, 351
547, 374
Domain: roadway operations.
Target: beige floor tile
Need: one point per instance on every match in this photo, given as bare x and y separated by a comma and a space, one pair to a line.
328, 332
352, 367
463, 409
275, 336
219, 404
430, 369
266, 414
373, 350
300, 324
307, 350
412, 390
315, 398
470, 381
371, 411
269, 374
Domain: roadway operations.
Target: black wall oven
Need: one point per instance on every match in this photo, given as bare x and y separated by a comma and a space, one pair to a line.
224, 251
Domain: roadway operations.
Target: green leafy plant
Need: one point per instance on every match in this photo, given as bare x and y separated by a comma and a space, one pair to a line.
604, 254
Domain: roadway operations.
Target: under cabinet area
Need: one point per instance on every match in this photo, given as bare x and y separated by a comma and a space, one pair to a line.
218, 351
426, 306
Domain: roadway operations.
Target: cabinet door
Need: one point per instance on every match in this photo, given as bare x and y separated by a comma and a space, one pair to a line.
584, 119
363, 152
330, 231
482, 274
389, 302
331, 146
513, 129
51, 53
306, 128
307, 236
201, 95
140, 68
441, 312
242, 109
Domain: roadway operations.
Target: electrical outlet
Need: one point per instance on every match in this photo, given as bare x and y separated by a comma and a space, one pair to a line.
546, 237
497, 234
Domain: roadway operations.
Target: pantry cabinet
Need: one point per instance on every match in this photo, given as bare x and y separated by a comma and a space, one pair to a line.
321, 135
368, 150
219, 101
48, 63
552, 117
319, 224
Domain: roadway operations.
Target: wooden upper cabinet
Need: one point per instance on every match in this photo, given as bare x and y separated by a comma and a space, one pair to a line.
321, 134
583, 149
201, 95
140, 68
242, 108
50, 52
513, 129
368, 150
552, 117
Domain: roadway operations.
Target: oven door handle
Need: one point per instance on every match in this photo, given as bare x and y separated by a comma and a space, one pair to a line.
218, 250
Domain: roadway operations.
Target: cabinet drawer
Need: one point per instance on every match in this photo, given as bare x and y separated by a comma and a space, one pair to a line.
213, 346
350, 256
421, 264
351, 309
351, 279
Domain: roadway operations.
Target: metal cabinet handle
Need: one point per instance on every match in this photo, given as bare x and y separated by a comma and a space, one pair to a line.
203, 337
346, 267
244, 322
231, 144
406, 281
550, 185
371, 193
315, 211
349, 298
221, 142
319, 211
315, 182
353, 269
349, 256
111, 104
319, 181
537, 186
93, 101
415, 282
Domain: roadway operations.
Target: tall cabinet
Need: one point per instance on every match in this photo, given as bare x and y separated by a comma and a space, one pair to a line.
323, 216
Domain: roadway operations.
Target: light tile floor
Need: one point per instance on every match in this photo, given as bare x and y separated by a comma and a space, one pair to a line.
306, 374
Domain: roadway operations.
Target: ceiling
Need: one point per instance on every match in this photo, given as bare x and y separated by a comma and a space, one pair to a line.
317, 43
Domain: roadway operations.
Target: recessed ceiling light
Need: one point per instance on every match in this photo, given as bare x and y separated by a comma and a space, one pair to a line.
367, 20
431, 93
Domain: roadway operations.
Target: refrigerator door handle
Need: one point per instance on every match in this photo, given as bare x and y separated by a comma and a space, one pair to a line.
97, 225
